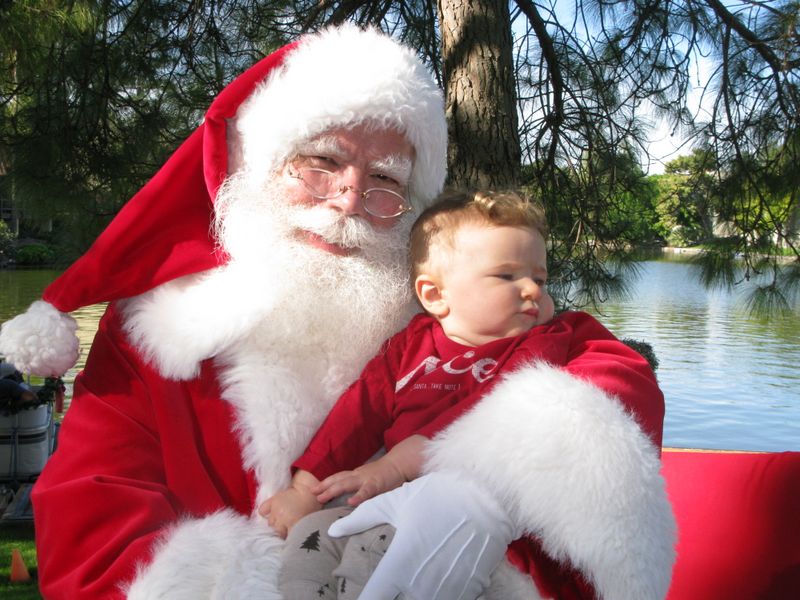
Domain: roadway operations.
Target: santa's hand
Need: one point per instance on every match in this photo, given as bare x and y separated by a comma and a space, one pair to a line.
451, 534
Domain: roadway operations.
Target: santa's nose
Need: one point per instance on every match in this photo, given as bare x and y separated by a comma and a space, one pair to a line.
350, 199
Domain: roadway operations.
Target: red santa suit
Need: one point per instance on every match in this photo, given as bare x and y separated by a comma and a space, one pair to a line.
187, 415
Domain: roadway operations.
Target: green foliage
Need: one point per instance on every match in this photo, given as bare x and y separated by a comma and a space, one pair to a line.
769, 300
35, 255
7, 238
686, 199
776, 289
94, 97
718, 265
608, 59
599, 215
638, 216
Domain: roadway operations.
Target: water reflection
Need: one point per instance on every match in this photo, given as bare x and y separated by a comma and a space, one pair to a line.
731, 380
87, 318
20, 288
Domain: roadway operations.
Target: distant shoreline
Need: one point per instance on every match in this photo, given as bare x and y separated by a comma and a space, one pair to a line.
678, 250
696, 251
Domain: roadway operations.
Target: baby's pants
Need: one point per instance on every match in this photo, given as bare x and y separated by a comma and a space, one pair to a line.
317, 566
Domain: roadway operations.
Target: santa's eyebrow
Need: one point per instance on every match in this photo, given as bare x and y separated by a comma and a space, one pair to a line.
321, 146
397, 166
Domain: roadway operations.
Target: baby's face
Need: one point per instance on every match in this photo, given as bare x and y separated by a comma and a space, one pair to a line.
493, 283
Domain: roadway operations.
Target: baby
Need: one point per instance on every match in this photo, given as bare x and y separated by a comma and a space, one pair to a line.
479, 267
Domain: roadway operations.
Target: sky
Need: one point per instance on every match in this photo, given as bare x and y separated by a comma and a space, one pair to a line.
666, 146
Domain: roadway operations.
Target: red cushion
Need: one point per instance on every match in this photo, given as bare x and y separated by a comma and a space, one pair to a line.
738, 524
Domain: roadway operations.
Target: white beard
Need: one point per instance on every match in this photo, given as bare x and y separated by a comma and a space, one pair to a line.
326, 316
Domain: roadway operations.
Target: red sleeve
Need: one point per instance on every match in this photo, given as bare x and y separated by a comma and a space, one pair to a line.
353, 431
599, 357
111, 484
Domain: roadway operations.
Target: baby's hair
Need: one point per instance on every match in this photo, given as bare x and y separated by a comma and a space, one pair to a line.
454, 208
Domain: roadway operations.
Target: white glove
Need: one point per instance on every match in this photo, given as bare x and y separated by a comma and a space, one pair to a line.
451, 534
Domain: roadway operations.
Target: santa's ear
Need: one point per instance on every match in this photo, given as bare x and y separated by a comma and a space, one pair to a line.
429, 292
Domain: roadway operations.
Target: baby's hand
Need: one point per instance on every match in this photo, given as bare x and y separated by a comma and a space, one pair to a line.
366, 481
287, 507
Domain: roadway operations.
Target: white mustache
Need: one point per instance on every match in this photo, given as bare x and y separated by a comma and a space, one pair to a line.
335, 227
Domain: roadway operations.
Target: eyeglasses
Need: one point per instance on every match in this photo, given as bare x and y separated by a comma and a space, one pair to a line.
326, 185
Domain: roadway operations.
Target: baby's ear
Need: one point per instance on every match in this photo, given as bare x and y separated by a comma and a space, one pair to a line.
430, 295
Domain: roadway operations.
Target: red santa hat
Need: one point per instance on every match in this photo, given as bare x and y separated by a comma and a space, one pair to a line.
340, 77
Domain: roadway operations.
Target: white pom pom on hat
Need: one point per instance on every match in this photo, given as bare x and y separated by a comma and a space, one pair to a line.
41, 341
341, 76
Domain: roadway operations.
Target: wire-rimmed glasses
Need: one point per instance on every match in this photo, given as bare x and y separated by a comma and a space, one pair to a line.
327, 185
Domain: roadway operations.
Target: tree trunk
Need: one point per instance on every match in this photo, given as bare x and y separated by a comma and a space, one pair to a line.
477, 64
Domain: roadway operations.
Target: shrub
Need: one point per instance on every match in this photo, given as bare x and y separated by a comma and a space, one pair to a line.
684, 236
7, 252
645, 349
35, 255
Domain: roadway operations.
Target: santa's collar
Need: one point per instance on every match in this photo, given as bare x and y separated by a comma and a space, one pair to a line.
179, 324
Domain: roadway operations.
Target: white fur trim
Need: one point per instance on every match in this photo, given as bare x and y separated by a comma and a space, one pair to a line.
179, 324
40, 341
346, 76
224, 555
575, 469
277, 410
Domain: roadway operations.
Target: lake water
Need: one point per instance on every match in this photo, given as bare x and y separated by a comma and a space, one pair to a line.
731, 381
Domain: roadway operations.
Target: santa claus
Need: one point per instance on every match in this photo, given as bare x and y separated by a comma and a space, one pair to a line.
245, 298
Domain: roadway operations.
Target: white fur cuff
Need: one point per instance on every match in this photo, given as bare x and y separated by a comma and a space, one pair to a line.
224, 555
